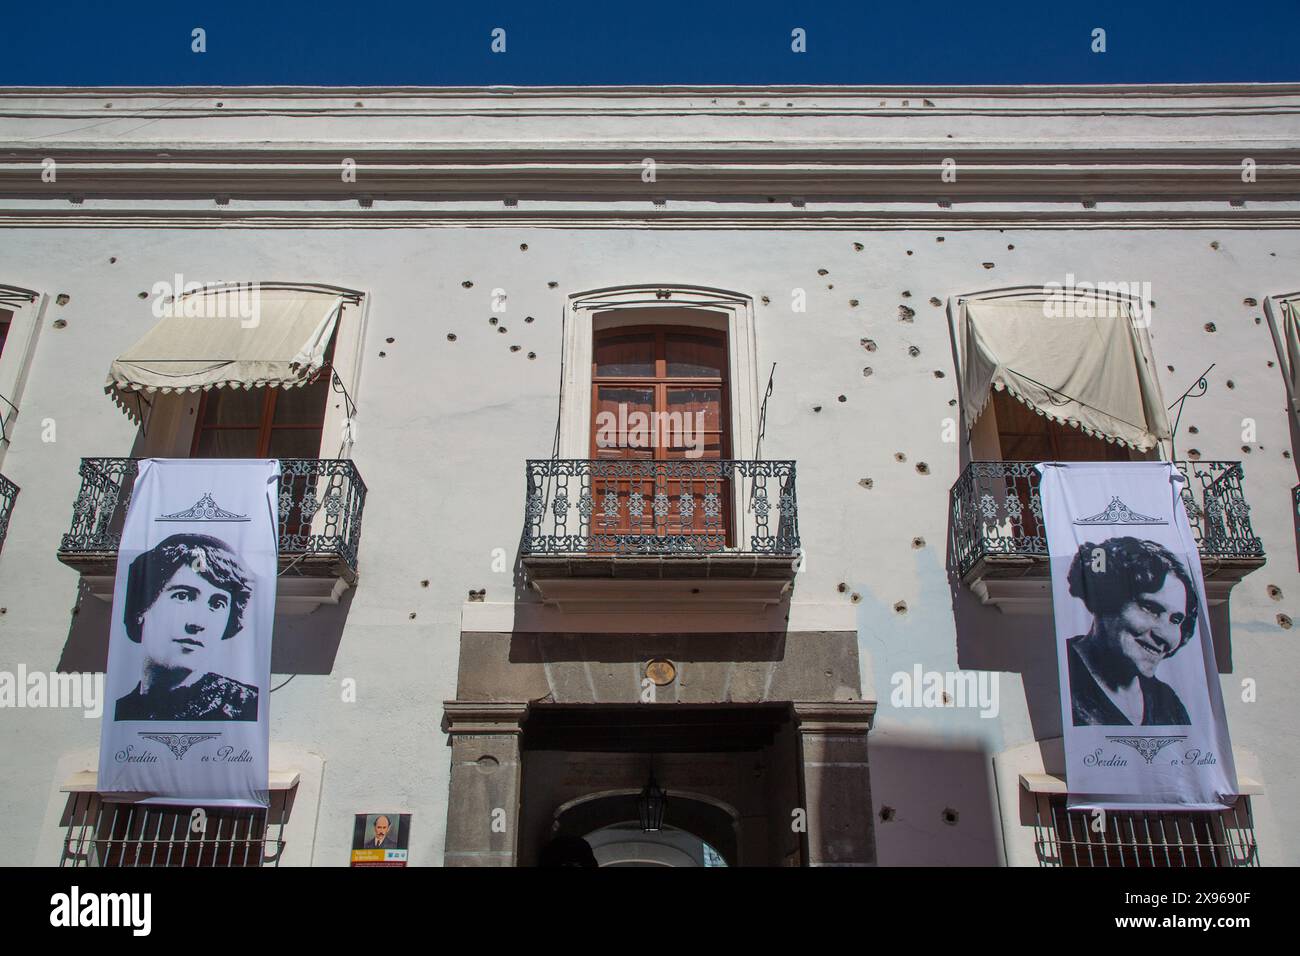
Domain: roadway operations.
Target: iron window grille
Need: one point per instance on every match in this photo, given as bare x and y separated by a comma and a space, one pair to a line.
996, 510
674, 507
320, 505
101, 832
1143, 839
8, 495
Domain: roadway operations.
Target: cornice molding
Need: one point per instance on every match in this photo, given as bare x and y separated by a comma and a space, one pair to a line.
351, 217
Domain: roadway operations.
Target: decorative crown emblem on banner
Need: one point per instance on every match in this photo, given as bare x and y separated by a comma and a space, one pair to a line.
1148, 747
1119, 513
179, 743
205, 509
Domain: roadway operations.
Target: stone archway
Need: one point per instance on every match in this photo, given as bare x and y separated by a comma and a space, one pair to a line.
709, 821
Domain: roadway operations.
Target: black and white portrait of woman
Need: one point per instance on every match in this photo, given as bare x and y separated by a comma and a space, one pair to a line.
185, 599
1144, 609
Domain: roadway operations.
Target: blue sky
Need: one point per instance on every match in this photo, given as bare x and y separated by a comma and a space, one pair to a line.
619, 42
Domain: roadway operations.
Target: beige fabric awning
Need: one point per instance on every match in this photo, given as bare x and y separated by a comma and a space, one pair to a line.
234, 337
1089, 368
1291, 334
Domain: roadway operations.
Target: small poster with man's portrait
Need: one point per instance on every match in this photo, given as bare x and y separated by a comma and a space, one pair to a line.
1142, 707
189, 650
381, 839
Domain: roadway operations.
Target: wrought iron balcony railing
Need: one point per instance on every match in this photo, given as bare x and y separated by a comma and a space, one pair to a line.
679, 507
996, 511
321, 500
8, 494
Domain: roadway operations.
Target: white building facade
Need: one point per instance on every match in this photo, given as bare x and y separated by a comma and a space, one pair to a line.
790, 271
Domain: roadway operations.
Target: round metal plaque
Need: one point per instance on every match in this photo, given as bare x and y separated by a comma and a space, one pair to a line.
661, 671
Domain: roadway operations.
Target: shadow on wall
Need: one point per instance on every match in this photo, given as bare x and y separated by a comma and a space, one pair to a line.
934, 804
303, 644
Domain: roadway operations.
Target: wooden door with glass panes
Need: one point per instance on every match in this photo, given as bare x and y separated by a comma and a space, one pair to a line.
675, 380
1024, 435
267, 423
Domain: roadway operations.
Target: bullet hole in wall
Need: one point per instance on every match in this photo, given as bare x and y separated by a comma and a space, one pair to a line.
1245, 449
551, 285
855, 598
1258, 320
467, 284
853, 303
493, 320
528, 319
503, 330
866, 482
887, 814
532, 355
1089, 204
938, 238
950, 816
451, 336
1193, 430
869, 344
829, 286
900, 607
766, 301
1249, 302
523, 247
899, 456
424, 583
412, 616
1275, 592
383, 355
60, 323
909, 252
515, 348
905, 314
867, 372
1230, 383
922, 468
1194, 454
841, 587
62, 299
938, 373
1214, 244
817, 408
843, 398
390, 340
857, 247
1211, 327
1284, 622
1170, 367
987, 265
478, 596
142, 295
1009, 248
823, 272
934, 301
913, 351
906, 294
951, 402
112, 260
918, 542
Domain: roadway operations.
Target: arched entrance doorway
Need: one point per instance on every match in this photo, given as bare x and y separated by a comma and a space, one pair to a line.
697, 831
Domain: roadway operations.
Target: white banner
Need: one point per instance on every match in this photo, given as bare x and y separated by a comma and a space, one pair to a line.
1142, 709
187, 701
